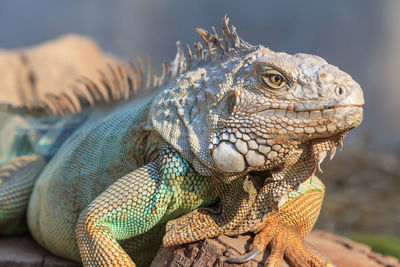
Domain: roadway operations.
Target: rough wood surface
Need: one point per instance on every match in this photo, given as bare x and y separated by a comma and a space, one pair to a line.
22, 251
213, 252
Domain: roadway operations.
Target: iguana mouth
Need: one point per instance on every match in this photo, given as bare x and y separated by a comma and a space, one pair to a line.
315, 112
345, 106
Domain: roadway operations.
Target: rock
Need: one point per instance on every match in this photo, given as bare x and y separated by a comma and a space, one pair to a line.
23, 251
213, 252
50, 67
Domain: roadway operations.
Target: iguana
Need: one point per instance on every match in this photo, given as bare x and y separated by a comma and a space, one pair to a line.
226, 143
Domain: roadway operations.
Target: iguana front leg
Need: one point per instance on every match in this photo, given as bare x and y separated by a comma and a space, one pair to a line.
282, 230
236, 200
134, 204
122, 211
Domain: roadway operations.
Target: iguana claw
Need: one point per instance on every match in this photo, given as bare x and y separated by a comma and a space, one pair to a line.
245, 257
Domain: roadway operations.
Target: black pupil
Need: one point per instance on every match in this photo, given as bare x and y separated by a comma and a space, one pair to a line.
277, 78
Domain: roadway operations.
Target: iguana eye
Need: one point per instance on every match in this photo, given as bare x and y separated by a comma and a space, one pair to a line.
273, 79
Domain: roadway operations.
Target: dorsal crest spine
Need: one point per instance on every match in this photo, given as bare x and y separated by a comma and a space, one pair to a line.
123, 81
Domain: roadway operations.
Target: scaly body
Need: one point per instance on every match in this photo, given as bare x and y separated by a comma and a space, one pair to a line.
234, 126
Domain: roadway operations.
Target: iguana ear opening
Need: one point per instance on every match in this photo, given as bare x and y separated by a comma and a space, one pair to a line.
231, 102
227, 106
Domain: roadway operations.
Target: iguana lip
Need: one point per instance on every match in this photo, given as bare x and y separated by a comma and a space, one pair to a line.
301, 108
343, 106
329, 107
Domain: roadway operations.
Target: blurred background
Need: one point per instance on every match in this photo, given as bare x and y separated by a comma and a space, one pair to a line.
362, 37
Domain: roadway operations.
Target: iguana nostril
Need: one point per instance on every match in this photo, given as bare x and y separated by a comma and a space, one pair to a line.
340, 90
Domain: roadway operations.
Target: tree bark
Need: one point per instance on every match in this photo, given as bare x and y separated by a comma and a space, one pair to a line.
213, 252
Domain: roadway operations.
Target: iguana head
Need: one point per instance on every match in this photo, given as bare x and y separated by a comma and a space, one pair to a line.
238, 108
277, 101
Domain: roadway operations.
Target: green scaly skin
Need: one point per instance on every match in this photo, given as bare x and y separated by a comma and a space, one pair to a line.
145, 198
168, 182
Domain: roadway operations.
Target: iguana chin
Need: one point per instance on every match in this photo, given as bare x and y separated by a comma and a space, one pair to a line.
228, 144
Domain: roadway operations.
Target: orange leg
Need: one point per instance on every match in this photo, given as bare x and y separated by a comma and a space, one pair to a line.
284, 231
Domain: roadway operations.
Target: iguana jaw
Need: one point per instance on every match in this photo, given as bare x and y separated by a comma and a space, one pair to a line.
237, 151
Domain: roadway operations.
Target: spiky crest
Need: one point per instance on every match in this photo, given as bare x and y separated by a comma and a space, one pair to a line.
122, 82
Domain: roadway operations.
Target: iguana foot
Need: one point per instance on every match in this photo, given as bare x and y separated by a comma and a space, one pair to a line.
283, 231
284, 243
